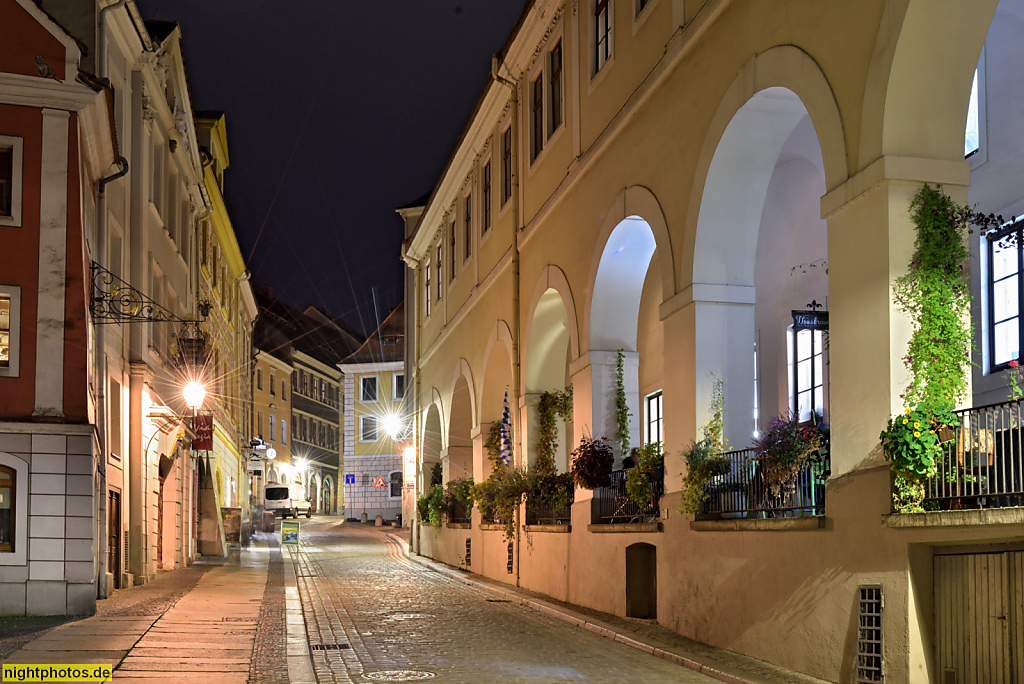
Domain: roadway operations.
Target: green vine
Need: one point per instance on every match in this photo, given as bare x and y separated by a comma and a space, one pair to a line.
552, 405
492, 445
622, 413
705, 458
649, 469
430, 504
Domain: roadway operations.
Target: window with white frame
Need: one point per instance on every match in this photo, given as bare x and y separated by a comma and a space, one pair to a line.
368, 429
451, 249
10, 330
368, 389
467, 227
555, 88
426, 289
601, 34
398, 387
437, 267
10, 180
806, 373
1004, 295
653, 418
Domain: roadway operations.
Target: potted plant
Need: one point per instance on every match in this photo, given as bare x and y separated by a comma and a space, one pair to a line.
458, 493
592, 462
644, 479
783, 450
705, 458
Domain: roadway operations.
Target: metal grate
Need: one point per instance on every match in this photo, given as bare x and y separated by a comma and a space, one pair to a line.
328, 647
469, 552
124, 551
949, 676
869, 635
509, 566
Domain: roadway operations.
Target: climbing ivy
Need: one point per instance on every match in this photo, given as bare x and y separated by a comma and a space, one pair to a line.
622, 413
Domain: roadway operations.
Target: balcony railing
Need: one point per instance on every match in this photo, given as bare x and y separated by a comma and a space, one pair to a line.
613, 505
982, 463
742, 492
458, 512
543, 513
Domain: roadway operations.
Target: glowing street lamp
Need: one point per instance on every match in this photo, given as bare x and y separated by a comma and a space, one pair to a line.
194, 394
393, 425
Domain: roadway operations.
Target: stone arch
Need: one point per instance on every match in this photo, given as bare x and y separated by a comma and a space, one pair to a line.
779, 96
497, 376
327, 496
458, 455
432, 442
551, 278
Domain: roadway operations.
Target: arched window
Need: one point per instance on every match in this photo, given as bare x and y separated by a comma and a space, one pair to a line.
7, 493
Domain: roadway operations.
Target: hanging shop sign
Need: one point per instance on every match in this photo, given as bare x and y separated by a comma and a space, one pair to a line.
203, 427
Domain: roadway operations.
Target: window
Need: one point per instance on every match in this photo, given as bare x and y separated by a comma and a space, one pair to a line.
437, 264
7, 492
273, 383
114, 418
1004, 296
486, 199
284, 431
10, 330
536, 116
555, 87
305, 383
323, 391
806, 371
426, 289
295, 428
284, 394
506, 165
10, 180
467, 227
259, 378
259, 423
368, 389
451, 252
368, 428
972, 136
395, 480
654, 415
602, 34
270, 426
641, 5
399, 387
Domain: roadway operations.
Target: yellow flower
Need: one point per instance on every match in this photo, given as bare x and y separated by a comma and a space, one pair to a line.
917, 424
932, 431
905, 421
907, 411
916, 433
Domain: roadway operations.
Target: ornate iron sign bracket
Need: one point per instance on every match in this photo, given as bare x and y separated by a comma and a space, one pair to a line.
115, 301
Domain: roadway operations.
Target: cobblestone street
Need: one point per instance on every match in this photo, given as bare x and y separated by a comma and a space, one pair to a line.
372, 615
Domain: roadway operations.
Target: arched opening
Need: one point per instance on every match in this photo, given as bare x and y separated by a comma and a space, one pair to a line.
496, 381
642, 581
760, 256
431, 448
458, 463
327, 498
624, 316
547, 369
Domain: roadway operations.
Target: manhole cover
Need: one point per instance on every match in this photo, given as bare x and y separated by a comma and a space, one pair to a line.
409, 616
397, 675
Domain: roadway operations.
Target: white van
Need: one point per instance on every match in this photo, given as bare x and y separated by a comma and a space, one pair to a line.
285, 500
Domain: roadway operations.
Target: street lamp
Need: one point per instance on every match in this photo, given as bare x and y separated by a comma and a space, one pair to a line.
393, 425
194, 394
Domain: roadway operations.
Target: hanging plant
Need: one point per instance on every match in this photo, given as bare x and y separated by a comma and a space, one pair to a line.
458, 492
784, 449
552, 405
705, 458
622, 413
935, 296
642, 480
592, 462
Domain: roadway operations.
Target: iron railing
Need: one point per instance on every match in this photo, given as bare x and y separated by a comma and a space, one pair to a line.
545, 513
459, 512
740, 490
613, 504
982, 462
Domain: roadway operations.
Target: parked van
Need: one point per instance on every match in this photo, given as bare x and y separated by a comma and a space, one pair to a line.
285, 500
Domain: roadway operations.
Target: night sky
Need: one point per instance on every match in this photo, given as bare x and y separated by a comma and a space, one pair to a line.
338, 112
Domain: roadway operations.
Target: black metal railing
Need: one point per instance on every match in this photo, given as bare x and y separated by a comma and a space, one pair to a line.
613, 505
741, 491
982, 461
545, 513
459, 512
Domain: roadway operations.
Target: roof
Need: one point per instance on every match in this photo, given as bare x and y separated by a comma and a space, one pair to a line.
281, 329
418, 202
387, 343
159, 29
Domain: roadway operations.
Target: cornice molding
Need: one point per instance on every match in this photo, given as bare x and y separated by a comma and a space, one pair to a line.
44, 93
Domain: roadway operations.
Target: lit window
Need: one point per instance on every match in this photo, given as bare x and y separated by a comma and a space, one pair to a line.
368, 392
7, 493
806, 373
1004, 295
555, 87
5, 331
537, 116
368, 429
602, 34
654, 418
486, 199
972, 137
506, 165
399, 386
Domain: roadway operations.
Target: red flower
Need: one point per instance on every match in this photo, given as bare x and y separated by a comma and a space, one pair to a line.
1013, 364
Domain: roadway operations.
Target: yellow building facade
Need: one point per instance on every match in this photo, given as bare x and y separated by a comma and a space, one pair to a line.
673, 182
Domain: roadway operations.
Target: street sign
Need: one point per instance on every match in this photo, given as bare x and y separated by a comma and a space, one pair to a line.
350, 478
254, 465
379, 483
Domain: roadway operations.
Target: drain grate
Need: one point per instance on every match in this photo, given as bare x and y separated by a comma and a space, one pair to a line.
408, 616
328, 647
498, 600
398, 675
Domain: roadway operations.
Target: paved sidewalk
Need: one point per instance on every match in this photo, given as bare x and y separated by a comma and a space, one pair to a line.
646, 636
207, 635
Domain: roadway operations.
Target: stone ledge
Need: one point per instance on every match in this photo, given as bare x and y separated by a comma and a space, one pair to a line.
965, 518
625, 527
458, 526
759, 524
494, 527
564, 529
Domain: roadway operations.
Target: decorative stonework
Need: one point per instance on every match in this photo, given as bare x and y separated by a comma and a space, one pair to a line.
547, 36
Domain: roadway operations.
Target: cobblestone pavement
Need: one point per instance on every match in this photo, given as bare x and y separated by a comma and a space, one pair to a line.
372, 615
269, 664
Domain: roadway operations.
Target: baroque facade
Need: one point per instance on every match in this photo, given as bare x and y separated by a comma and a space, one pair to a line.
679, 187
